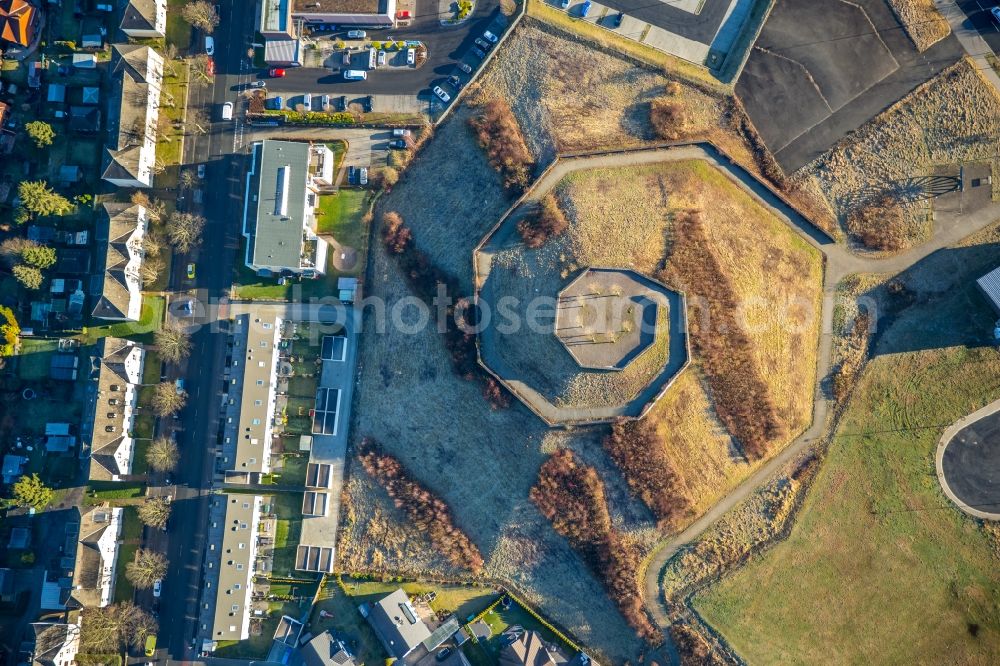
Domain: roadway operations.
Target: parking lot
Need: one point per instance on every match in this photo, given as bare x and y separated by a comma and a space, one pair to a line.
822, 68
447, 46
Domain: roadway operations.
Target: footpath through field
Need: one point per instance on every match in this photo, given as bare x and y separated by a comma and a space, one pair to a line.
950, 227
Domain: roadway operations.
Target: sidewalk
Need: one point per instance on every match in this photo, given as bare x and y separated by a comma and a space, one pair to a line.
975, 46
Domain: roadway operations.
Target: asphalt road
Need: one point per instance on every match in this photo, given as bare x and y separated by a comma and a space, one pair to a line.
971, 464
445, 46
223, 152
978, 12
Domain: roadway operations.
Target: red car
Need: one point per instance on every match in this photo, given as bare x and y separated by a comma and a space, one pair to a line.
276, 72
210, 67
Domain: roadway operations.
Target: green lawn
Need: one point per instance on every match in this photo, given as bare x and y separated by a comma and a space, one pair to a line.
880, 567
341, 216
124, 590
132, 526
288, 508
34, 357
178, 30
150, 319
173, 96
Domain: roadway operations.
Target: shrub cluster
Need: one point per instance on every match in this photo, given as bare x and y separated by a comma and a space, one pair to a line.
548, 221
668, 118
500, 135
313, 117
496, 394
855, 349
879, 225
740, 393
428, 512
692, 648
571, 496
638, 451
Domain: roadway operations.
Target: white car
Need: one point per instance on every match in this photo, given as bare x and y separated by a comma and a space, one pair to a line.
441, 95
363, 176
381, 58
356, 34
995, 12
490, 36
227, 111
209, 45
411, 56
258, 84
157, 588
307, 102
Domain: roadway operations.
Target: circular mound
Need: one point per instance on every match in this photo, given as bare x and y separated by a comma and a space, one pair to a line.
968, 464
345, 258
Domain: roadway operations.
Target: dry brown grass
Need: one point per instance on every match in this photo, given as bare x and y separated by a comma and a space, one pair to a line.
922, 22
953, 118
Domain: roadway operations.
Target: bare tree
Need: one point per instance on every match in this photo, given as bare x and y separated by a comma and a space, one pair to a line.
140, 198
155, 512
162, 455
173, 343
167, 399
107, 629
151, 269
159, 166
147, 567
187, 179
152, 246
170, 60
201, 14
197, 121
184, 230
201, 70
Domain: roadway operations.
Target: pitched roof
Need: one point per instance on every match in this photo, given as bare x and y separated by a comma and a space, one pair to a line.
117, 371
139, 15
49, 639
325, 650
136, 73
121, 230
17, 21
96, 552
528, 650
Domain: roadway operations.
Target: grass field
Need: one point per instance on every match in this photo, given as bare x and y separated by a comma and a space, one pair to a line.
952, 119
922, 22
150, 319
178, 30
912, 578
288, 508
568, 95
34, 356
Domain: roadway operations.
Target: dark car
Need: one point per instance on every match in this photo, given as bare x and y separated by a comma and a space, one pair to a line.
443, 654
455, 82
617, 20
483, 44
478, 53
398, 143
465, 67
366, 103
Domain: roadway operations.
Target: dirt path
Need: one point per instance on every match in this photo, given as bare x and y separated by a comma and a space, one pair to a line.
839, 263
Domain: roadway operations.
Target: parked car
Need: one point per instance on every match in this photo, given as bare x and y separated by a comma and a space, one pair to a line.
258, 84
356, 34
355, 75
441, 94
324, 102
401, 132
479, 53
398, 143
363, 176
585, 8
190, 271
367, 103
227, 111
491, 37
307, 102
201, 170
465, 67
411, 56
995, 13
564, 4
210, 67
443, 654
483, 44
179, 387
381, 58
278, 102
455, 82
616, 22
209, 45
157, 587
276, 72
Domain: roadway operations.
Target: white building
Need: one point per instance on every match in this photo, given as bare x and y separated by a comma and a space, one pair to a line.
117, 375
96, 557
136, 78
117, 286
279, 214
231, 563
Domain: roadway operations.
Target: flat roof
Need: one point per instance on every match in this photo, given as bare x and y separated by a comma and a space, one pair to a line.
338, 6
257, 339
237, 553
280, 186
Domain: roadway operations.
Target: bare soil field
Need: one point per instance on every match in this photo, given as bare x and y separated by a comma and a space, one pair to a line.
953, 118
922, 22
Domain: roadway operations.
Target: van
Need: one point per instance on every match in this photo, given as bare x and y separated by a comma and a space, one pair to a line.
355, 75
307, 102
227, 111
372, 58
